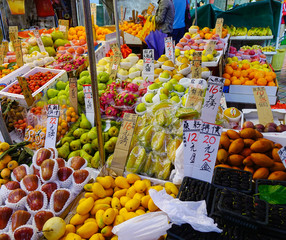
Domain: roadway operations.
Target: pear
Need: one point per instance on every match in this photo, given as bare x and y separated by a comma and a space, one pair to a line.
88, 148
113, 131
109, 146
54, 228
94, 144
74, 154
105, 136
78, 132
67, 139
95, 160
85, 124
80, 97
75, 145
83, 138
85, 155
64, 150
109, 160
91, 135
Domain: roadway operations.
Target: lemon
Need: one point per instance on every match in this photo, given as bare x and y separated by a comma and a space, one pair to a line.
234, 59
232, 112
205, 59
210, 57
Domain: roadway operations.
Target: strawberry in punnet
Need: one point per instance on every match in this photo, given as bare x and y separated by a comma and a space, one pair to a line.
132, 87
112, 111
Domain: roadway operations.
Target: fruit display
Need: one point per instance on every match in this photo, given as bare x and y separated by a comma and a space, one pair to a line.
109, 202
38, 59
255, 47
236, 31
252, 55
248, 150
149, 26
205, 58
67, 62
254, 31
77, 33
101, 32
6, 69
269, 127
248, 73
40, 192
131, 28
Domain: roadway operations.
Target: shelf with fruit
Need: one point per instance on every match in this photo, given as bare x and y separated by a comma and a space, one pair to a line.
252, 55
267, 50
254, 33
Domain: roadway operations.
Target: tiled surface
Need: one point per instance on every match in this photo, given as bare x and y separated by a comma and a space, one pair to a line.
281, 76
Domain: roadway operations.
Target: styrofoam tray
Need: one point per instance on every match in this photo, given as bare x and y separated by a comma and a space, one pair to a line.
246, 98
213, 63
12, 77
61, 75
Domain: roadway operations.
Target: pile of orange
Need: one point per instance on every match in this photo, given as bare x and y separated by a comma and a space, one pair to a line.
77, 33
5, 70
131, 28
207, 33
245, 75
101, 32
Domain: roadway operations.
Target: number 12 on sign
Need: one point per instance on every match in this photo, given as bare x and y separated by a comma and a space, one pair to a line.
52, 125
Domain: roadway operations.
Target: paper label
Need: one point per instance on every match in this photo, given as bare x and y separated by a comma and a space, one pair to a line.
262, 104
26, 91
191, 133
197, 65
210, 47
73, 93
2, 55
88, 99
39, 41
52, 125
64, 27
212, 99
150, 9
169, 48
6, 48
195, 98
123, 143
218, 26
148, 66
222, 102
18, 51
13, 33
121, 13
111, 36
93, 12
208, 142
282, 155
115, 61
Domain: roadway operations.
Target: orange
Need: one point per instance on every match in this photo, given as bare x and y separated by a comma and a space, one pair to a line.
229, 70
236, 82
249, 83
233, 79
237, 74
273, 74
227, 82
249, 70
205, 30
251, 75
202, 35
242, 80
245, 66
268, 78
244, 73
234, 65
272, 84
75, 37
259, 74
226, 75
261, 82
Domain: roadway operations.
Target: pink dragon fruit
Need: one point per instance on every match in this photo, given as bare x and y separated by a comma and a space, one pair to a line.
132, 87
125, 98
112, 111
107, 97
112, 86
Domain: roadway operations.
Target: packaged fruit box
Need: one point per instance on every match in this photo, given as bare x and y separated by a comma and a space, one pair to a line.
34, 75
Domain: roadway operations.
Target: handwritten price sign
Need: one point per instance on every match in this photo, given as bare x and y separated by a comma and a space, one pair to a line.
197, 65
88, 100
169, 48
52, 125
148, 66
39, 41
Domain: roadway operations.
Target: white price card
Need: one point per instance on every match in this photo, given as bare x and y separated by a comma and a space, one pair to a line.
99, 52
89, 107
212, 99
148, 66
282, 155
52, 125
191, 133
93, 10
208, 143
39, 40
169, 48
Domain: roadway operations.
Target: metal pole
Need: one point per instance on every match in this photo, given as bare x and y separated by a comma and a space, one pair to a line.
196, 13
116, 22
93, 76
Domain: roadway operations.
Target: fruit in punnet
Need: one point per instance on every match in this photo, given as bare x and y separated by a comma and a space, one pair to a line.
80, 175
54, 228
31, 182
12, 185
47, 169
41, 217
64, 173
42, 155
16, 195
23, 233
35, 200
49, 188
5, 214
19, 218
60, 198
19, 172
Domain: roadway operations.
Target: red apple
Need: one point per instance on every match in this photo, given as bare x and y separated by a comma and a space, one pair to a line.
5, 214
31, 182
35, 200
49, 188
20, 218
16, 195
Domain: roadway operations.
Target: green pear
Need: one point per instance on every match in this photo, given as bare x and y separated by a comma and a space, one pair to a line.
109, 146
175, 99
60, 85
80, 97
173, 94
75, 145
85, 155
74, 154
78, 132
84, 73
101, 86
94, 144
83, 138
154, 86
62, 92
163, 96
84, 123
179, 88
169, 86
67, 139
113, 139
141, 107
95, 160
91, 135
51, 93
113, 131
173, 81
79, 88
64, 150
109, 160
105, 136
88, 148
149, 97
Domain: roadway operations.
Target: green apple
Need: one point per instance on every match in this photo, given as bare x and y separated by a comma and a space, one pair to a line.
175, 99
141, 107
169, 86
163, 96
179, 88
149, 97
51, 93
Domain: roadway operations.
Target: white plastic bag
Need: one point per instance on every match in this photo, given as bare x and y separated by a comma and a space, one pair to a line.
149, 226
177, 174
179, 212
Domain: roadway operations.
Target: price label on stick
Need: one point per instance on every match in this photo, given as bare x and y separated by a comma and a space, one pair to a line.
93, 12
210, 47
150, 9
115, 61
13, 33
64, 27
123, 143
18, 51
262, 104
191, 133
121, 13
218, 26
212, 99
89, 107
26, 91
6, 48
197, 65
195, 98
282, 155
169, 48
208, 142
52, 125
148, 66
73, 93
39, 41
2, 55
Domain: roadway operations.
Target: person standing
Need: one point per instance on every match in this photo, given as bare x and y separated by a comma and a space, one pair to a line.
165, 15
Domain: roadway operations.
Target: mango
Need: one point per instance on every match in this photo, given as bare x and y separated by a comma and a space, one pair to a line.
236, 146
72, 236
131, 192
144, 201
222, 155
104, 181
97, 236
91, 194
106, 231
147, 182
122, 211
69, 229
235, 160
109, 192
140, 186
90, 220
151, 206
248, 142
140, 212
122, 182
98, 207
258, 134
277, 175
248, 133
246, 152
99, 218
261, 146
248, 161
249, 169
277, 166
78, 219
120, 193
224, 142
223, 165
84, 207
124, 200
275, 155
130, 215
232, 134
115, 203
132, 205
261, 160
169, 186
118, 219
132, 178
106, 200
87, 229
261, 173
109, 216
98, 190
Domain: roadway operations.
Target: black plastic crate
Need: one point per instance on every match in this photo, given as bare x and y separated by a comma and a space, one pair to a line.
233, 179
243, 209
215, 212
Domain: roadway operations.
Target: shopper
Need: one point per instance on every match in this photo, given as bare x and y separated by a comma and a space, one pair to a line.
165, 14
179, 26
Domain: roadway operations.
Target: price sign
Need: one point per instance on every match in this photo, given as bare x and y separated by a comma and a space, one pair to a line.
52, 125
121, 14
218, 26
18, 51
212, 99
148, 66
222, 102
262, 104
64, 27
26, 90
150, 9
89, 107
197, 65
39, 41
282, 155
73, 93
2, 55
191, 133
210, 47
93, 12
115, 61
13, 33
169, 48
208, 142
123, 143
195, 98
6, 48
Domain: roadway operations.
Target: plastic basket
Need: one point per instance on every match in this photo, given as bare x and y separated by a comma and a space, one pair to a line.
233, 179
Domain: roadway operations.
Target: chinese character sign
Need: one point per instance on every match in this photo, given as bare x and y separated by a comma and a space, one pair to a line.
18, 50
197, 65
26, 90
208, 142
39, 40
73, 93
148, 67
169, 48
191, 133
89, 107
195, 98
52, 125
212, 99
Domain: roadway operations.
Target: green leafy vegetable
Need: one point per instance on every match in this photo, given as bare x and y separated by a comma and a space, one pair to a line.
273, 194
11, 65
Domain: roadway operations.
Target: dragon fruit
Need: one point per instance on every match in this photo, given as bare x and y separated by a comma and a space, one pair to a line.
125, 98
126, 111
112, 111
107, 97
132, 87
